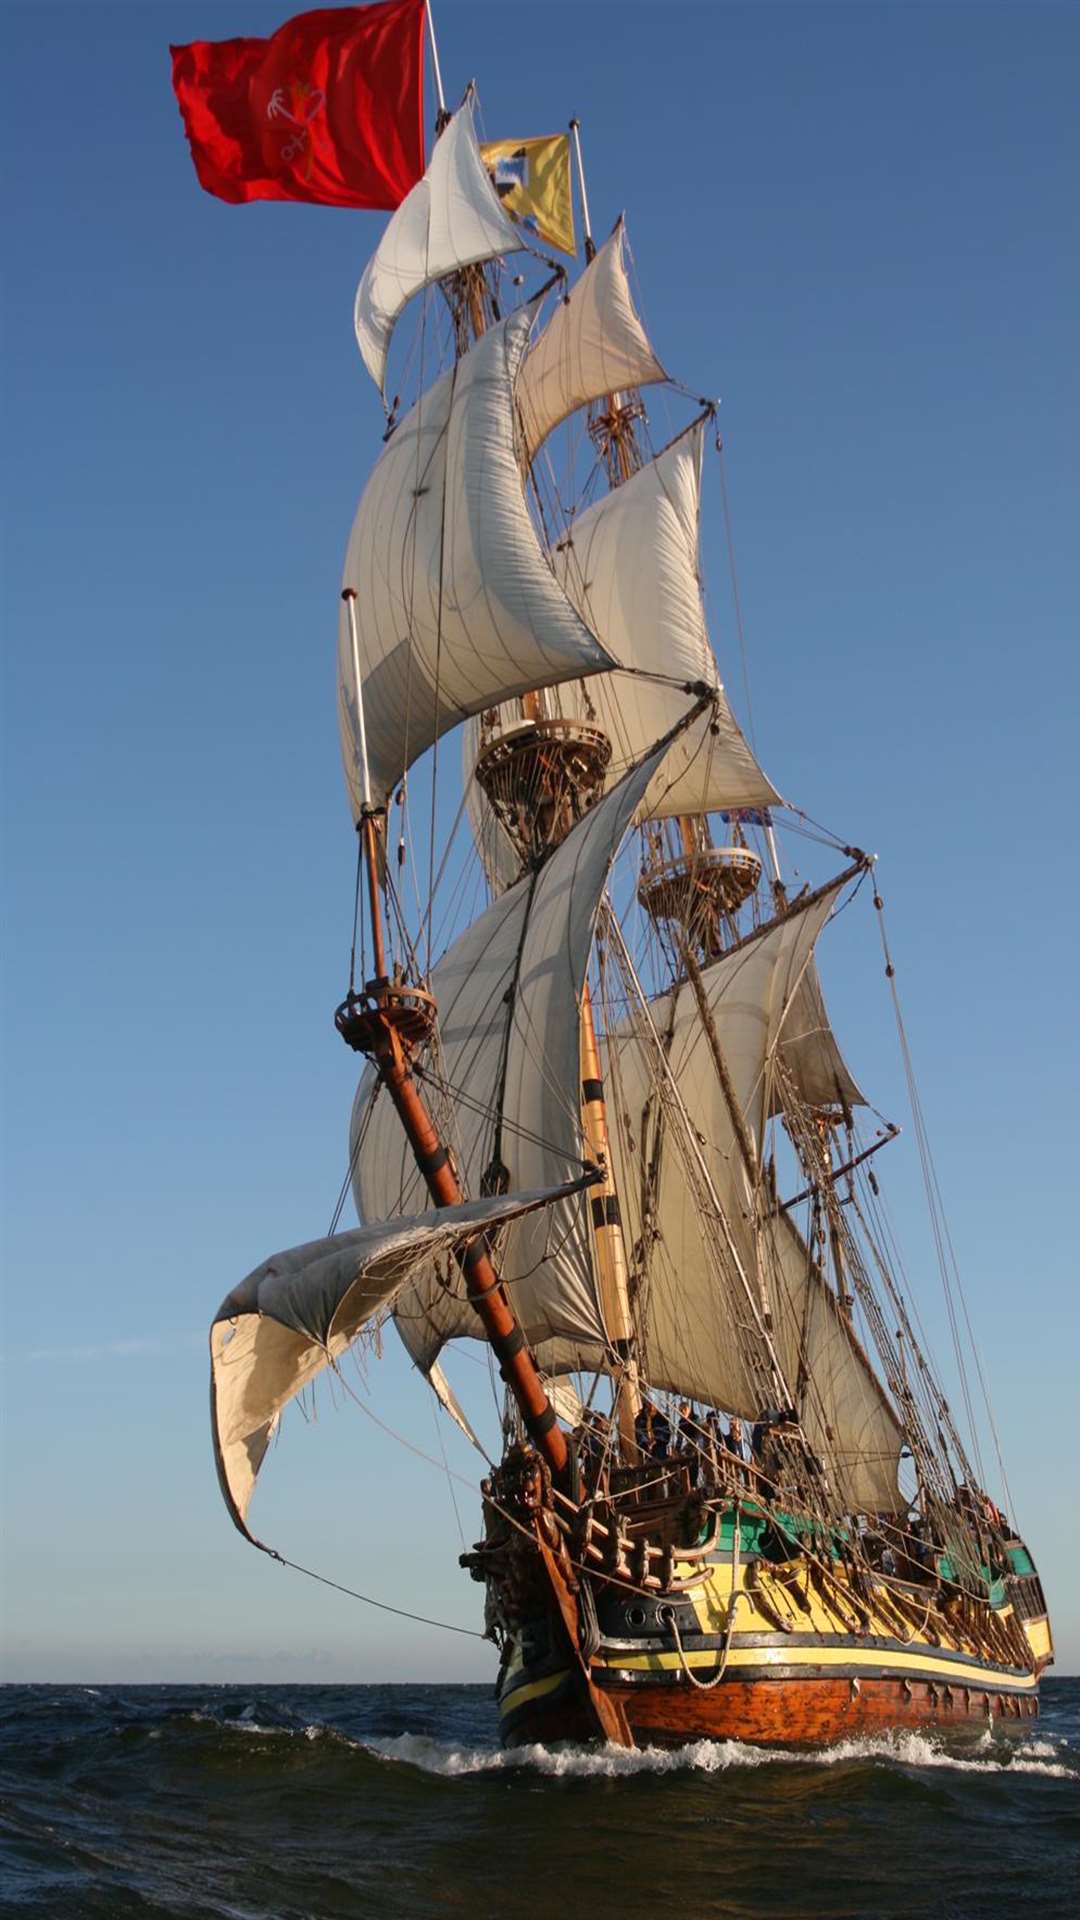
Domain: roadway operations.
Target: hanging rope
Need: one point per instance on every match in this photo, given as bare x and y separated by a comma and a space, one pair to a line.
706, 1686
384, 1606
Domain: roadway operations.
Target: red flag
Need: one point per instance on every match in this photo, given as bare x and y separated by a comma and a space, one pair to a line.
330, 108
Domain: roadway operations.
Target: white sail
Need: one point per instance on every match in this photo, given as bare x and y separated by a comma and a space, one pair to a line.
594, 344
811, 1056
631, 567
689, 1339
456, 603
845, 1414
297, 1313
519, 1055
451, 219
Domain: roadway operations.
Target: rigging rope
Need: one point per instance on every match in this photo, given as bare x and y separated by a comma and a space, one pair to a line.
942, 1237
384, 1606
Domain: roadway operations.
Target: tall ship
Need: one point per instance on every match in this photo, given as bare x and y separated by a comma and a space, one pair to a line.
603, 1126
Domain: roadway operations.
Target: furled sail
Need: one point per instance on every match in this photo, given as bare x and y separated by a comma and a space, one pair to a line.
688, 1327
456, 604
451, 219
297, 1313
630, 565
508, 993
594, 344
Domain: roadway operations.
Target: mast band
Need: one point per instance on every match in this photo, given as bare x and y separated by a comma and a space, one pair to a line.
508, 1344
592, 1090
540, 1423
605, 1211
431, 1162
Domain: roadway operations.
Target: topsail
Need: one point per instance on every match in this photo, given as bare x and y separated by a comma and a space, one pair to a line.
630, 566
456, 604
594, 344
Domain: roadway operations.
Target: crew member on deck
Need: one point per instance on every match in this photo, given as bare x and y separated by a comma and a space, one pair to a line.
689, 1435
735, 1446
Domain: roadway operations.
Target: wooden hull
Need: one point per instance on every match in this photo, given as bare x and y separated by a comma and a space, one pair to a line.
807, 1712
672, 1669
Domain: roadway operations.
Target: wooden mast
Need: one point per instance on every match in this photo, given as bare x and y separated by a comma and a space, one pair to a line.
612, 1270
381, 1030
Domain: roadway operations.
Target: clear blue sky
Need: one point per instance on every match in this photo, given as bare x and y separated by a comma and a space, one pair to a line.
856, 224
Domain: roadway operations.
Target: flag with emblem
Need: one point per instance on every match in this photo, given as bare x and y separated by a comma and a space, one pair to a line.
532, 179
329, 109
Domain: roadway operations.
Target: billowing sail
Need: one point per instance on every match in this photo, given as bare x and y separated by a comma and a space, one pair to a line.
297, 1313
630, 565
594, 344
451, 219
456, 603
688, 1322
508, 993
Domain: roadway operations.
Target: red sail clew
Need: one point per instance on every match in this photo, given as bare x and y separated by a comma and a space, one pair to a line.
330, 108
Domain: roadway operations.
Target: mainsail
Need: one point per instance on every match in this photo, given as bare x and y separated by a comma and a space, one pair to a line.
456, 604
451, 219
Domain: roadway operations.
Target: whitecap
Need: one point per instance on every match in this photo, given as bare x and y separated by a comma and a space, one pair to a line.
907, 1749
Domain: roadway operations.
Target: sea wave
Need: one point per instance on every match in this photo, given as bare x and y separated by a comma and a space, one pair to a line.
905, 1749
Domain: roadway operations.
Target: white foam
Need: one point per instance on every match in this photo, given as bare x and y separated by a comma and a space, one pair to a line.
906, 1749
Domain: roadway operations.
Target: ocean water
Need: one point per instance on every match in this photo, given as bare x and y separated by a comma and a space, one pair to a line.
308, 1803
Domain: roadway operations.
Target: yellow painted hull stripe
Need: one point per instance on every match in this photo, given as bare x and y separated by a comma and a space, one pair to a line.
534, 1690
960, 1673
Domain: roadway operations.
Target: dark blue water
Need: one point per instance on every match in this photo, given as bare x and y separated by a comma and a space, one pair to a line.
307, 1803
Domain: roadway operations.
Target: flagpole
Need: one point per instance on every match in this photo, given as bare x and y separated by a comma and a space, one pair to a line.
437, 69
590, 249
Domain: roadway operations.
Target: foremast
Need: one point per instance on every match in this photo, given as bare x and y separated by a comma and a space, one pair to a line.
387, 1022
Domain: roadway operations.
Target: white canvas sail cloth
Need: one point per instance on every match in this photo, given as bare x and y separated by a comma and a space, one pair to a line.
688, 1317
630, 565
452, 218
534, 945
808, 1048
593, 345
297, 1313
457, 606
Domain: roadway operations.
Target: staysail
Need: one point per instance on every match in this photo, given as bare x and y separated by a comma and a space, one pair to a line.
451, 219
298, 1312
456, 604
508, 993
